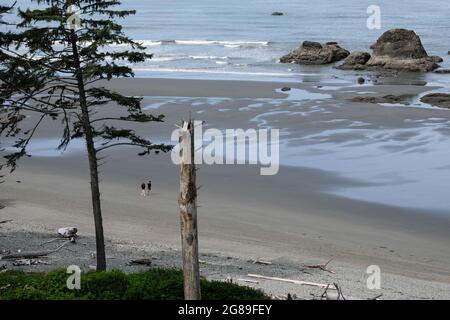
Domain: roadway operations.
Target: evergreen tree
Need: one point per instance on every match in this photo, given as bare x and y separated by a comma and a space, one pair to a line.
55, 64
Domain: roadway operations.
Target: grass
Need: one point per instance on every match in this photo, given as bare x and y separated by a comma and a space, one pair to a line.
154, 284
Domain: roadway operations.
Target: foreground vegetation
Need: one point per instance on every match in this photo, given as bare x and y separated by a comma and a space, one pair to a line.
154, 284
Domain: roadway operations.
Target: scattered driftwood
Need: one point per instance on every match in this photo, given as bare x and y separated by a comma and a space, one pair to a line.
291, 297
305, 283
30, 255
323, 266
266, 263
377, 297
335, 295
340, 293
28, 262
141, 262
248, 280
278, 297
285, 297
67, 232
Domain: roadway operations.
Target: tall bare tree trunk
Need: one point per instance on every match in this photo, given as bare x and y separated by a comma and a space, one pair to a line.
93, 162
188, 214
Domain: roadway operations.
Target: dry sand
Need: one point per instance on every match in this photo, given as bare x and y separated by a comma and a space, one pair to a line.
287, 218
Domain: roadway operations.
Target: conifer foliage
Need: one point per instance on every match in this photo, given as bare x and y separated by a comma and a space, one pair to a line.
54, 64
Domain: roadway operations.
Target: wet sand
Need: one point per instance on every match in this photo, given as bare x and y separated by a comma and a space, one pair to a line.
293, 216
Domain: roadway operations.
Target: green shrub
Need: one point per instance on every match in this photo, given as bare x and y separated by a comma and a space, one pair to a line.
154, 284
104, 285
214, 290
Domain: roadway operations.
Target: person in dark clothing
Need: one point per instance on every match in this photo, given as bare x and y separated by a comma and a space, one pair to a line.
149, 187
143, 193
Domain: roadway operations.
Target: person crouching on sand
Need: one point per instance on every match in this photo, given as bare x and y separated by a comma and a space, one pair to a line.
143, 192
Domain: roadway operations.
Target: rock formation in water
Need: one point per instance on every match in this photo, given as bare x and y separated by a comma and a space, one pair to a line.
443, 71
355, 61
396, 49
316, 53
441, 100
384, 99
401, 49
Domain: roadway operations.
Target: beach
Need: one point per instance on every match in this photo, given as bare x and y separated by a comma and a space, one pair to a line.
337, 194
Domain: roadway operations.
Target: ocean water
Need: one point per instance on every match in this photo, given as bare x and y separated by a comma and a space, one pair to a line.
211, 39
237, 39
241, 39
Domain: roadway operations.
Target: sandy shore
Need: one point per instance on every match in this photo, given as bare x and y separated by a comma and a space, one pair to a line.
290, 219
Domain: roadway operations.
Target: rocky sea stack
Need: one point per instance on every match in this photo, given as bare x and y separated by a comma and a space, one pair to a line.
396, 49
316, 53
441, 100
402, 49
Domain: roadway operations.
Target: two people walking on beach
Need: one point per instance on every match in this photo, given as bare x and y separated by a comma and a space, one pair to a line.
146, 188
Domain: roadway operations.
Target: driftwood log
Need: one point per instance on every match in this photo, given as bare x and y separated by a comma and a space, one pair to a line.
142, 262
67, 232
263, 262
323, 267
188, 213
305, 283
30, 255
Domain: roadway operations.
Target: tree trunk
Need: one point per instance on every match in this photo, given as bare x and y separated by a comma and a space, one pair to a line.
93, 162
188, 214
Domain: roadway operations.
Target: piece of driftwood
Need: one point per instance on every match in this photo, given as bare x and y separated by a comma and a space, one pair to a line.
377, 297
30, 255
142, 262
28, 262
67, 232
5, 221
266, 263
305, 283
334, 295
248, 280
323, 267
